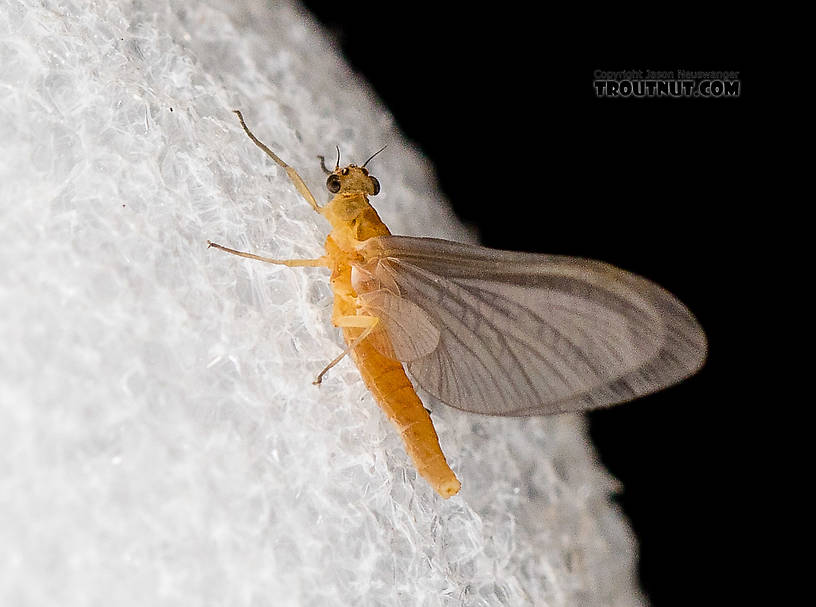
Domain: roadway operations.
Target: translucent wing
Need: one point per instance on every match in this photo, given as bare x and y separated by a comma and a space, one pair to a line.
506, 333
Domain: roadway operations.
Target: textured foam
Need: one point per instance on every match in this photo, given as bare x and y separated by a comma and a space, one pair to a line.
163, 442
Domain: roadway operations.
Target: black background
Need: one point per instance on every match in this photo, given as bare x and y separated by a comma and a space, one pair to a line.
501, 100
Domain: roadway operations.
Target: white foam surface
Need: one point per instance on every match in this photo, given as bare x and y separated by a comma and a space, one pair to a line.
163, 443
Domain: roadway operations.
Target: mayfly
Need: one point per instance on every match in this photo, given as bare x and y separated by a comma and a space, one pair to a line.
486, 331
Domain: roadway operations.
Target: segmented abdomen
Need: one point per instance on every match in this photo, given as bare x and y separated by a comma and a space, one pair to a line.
387, 381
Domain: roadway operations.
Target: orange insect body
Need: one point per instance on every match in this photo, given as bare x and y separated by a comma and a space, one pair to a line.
353, 220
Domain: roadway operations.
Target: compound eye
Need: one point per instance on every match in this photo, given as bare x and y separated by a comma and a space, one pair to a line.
376, 185
333, 183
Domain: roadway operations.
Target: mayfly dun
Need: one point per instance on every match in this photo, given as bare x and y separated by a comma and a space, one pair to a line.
486, 331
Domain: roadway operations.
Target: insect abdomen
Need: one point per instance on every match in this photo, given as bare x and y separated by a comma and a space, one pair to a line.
390, 386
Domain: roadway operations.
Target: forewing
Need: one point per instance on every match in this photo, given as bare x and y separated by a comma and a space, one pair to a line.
528, 334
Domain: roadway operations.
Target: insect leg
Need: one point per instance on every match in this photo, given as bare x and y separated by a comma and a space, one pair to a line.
319, 262
367, 322
296, 180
